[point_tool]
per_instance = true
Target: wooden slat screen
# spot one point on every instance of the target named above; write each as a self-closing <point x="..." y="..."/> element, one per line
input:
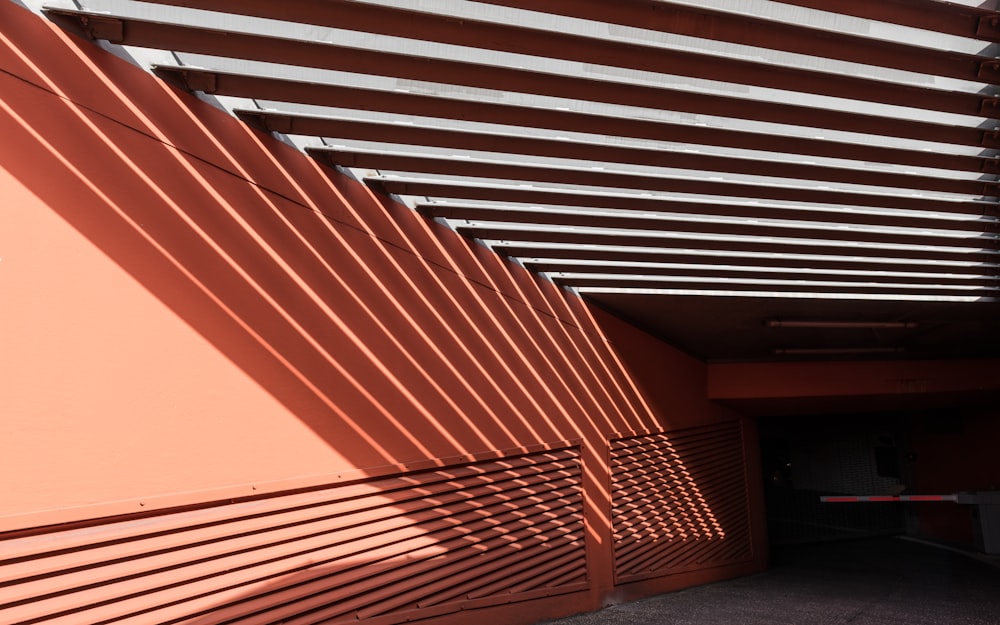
<point x="388" y="550"/>
<point x="679" y="501"/>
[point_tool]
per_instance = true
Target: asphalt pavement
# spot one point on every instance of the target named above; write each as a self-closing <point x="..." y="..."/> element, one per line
<point x="886" y="581"/>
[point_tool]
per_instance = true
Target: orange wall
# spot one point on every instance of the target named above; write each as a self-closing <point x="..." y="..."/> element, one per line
<point x="193" y="311"/>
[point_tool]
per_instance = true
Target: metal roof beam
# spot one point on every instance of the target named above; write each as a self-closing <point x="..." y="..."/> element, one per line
<point x="414" y="24"/>
<point x="736" y="274"/>
<point x="834" y="219"/>
<point x="790" y="287"/>
<point x="584" y="176"/>
<point x="824" y="247"/>
<point x="600" y="255"/>
<point x="534" y="217"/>
<point x="745" y="29"/>
<point x="941" y="17"/>
<point x="597" y="151"/>
<point x="328" y="56"/>
<point x="260" y="87"/>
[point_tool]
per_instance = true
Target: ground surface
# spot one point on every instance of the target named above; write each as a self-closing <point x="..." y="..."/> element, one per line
<point x="873" y="582"/>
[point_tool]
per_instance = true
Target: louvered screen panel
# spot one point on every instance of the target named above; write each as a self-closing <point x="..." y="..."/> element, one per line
<point x="388" y="550"/>
<point x="679" y="501"/>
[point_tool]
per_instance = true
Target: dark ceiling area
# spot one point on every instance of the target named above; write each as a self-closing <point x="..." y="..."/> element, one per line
<point x="735" y="329"/>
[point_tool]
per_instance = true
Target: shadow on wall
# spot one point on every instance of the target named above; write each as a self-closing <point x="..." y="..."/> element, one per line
<point x="397" y="342"/>
<point x="370" y="324"/>
<point x="415" y="546"/>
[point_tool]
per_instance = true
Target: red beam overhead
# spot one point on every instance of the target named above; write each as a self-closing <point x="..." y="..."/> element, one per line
<point x="941" y="17"/>
<point x="749" y="30"/>
<point x="833" y="219"/>
<point x="264" y="88"/>
<point x="552" y="267"/>
<point x="591" y="177"/>
<point x="578" y="199"/>
<point x="742" y="259"/>
<point x="852" y="287"/>
<point x="413" y="24"/>
<point x="410" y="134"/>
<point x="829" y="228"/>
<point x="533" y="217"/>
<point x="828" y="248"/>
<point x="363" y="61"/>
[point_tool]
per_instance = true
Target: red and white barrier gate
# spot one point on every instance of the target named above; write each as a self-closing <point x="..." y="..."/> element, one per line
<point x="862" y="498"/>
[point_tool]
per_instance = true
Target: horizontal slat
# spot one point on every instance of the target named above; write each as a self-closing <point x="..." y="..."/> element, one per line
<point x="581" y="176"/>
<point x="296" y="510"/>
<point x="48" y="543"/>
<point x="943" y="17"/>
<point x="324" y="589"/>
<point x="144" y="33"/>
<point x="674" y="210"/>
<point x="744" y="259"/>
<point x="858" y="287"/>
<point x="569" y="46"/>
<point x="376" y="547"/>
<point x="679" y="501"/>
<point x="555" y="267"/>
<point x="831" y="247"/>
<point x="409" y="134"/>
<point x="242" y="85"/>
<point x="747" y="29"/>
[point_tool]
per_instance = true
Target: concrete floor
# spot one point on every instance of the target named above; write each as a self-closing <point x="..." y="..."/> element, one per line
<point x="871" y="582"/>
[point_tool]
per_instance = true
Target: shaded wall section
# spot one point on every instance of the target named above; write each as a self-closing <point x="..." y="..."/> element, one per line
<point x="953" y="451"/>
<point x="200" y="324"/>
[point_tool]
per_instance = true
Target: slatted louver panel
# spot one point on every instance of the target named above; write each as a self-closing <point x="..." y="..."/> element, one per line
<point x="388" y="550"/>
<point x="679" y="501"/>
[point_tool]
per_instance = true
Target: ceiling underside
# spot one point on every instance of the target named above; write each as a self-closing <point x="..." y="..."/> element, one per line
<point x="699" y="167"/>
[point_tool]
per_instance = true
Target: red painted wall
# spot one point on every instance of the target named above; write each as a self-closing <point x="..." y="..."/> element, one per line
<point x="194" y="312"/>
<point x="953" y="451"/>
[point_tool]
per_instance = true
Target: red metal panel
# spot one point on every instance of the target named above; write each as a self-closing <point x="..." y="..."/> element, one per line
<point x="679" y="501"/>
<point x="396" y="548"/>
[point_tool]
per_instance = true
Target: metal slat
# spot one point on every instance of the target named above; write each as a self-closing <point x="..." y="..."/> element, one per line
<point x="790" y="274"/>
<point x="84" y="547"/>
<point x="529" y="172"/>
<point x="519" y="504"/>
<point x="858" y="288"/>
<point x="464" y="31"/>
<point x="528" y="251"/>
<point x="746" y="29"/>
<point x="825" y="225"/>
<point x="650" y="517"/>
<point x="832" y="247"/>
<point x="223" y="43"/>
<point x="941" y="17"/>
<point x="427" y="136"/>
<point x="264" y="88"/>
